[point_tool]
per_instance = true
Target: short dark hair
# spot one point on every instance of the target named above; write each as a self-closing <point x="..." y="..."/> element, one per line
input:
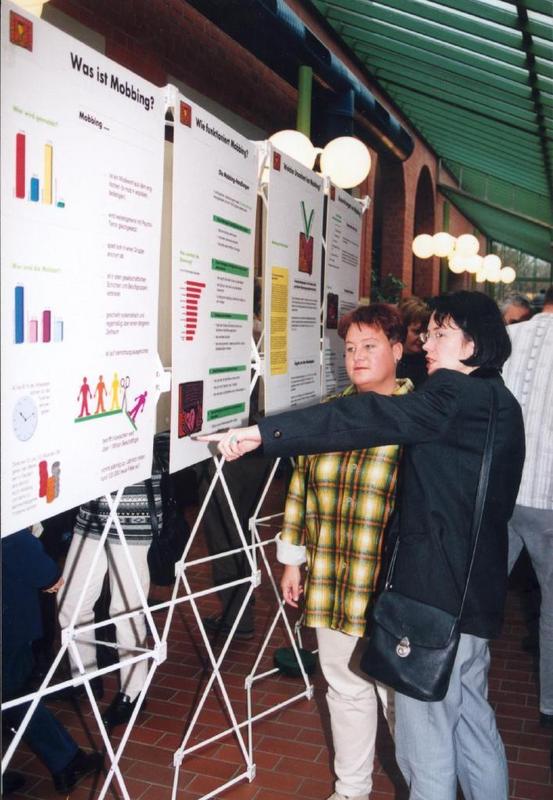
<point x="548" y="299"/>
<point x="481" y="322"/>
<point x="377" y="315"/>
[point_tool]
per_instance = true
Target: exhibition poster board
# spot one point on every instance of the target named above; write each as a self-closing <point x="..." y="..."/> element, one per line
<point x="292" y="284"/>
<point x="344" y="218"/>
<point x="82" y="155"/>
<point x="213" y="233"/>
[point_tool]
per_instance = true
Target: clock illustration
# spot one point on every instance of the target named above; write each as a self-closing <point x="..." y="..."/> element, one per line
<point x="25" y="418"/>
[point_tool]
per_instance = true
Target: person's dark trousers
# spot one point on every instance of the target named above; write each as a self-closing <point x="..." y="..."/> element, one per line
<point x="245" y="479"/>
<point x="46" y="737"/>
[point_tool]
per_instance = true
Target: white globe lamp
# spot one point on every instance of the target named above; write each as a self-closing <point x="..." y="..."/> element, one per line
<point x="444" y="244"/>
<point x="467" y="244"/>
<point x="346" y="161"/>
<point x="423" y="245"/>
<point x="296" y="145"/>
<point x="457" y="264"/>
<point x="507" y="275"/>
<point x="473" y="264"/>
<point x="492" y="267"/>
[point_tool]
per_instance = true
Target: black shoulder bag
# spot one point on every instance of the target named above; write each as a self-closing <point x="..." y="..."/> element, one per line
<point x="412" y="646"/>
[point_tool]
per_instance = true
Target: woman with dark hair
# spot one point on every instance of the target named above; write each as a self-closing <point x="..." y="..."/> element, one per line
<point x="337" y="508"/>
<point x="443" y="428"/>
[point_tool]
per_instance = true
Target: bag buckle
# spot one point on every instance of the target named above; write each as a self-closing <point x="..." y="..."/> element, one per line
<point x="404" y="647"/>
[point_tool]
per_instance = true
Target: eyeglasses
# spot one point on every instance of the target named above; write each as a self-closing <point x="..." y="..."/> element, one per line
<point x="437" y="335"/>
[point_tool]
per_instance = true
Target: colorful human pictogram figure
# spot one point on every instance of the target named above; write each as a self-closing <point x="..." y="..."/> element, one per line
<point x="125" y="383"/>
<point x="115" y="386"/>
<point x="84" y="394"/>
<point x="140" y="403"/>
<point x="99" y="392"/>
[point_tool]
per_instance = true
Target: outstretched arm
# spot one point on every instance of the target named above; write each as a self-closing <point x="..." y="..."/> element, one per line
<point x="235" y="442"/>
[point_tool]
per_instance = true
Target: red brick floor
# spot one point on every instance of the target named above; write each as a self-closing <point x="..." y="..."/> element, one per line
<point x="291" y="746"/>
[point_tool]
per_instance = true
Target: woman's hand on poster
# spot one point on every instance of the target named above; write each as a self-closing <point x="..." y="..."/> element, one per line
<point x="291" y="585"/>
<point x="235" y="442"/>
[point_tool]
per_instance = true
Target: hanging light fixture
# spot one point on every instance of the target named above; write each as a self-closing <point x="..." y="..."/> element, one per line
<point x="507" y="275"/>
<point x="444" y="244"/>
<point x="467" y="245"/>
<point x="457" y="263"/>
<point x="473" y="264"/>
<point x="346" y="161"/>
<point x="296" y="145"/>
<point x="492" y="266"/>
<point x="423" y="245"/>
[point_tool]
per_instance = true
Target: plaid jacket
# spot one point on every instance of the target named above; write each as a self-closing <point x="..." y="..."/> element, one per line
<point x="338" y="505"/>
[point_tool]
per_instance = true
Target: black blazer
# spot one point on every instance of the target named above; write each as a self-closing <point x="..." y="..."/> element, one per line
<point x="443" y="427"/>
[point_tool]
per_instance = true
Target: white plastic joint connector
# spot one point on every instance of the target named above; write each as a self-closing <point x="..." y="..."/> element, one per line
<point x="160" y="652"/>
<point x="67" y="635"/>
<point x="257" y="578"/>
<point x="309" y="692"/>
<point x="251" y="772"/>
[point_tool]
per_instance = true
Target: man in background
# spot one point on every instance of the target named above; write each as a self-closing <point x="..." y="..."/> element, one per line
<point x="529" y="375"/>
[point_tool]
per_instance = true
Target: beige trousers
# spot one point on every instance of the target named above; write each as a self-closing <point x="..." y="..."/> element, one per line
<point x="124" y="598"/>
<point x="352" y="701"/>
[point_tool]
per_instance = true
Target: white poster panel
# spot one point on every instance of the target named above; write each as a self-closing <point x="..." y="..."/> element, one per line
<point x="82" y="155"/>
<point x="292" y="285"/>
<point x="344" y="218"/>
<point x="214" y="205"/>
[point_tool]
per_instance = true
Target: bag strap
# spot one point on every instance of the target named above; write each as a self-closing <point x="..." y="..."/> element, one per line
<point x="152" y="506"/>
<point x="481" y="490"/>
<point x="478" y="513"/>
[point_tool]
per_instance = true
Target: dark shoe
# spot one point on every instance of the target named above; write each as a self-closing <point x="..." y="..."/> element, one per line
<point x="81" y="765"/>
<point x="218" y="625"/>
<point x="119" y="710"/>
<point x="11" y="782"/>
<point x="75" y="692"/>
<point x="546" y="720"/>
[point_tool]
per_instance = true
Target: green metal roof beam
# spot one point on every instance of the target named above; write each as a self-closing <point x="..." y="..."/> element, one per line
<point x="496" y="206"/>
<point x="533" y="79"/>
<point x="495" y="109"/>
<point x="383" y="64"/>
<point x="479" y="39"/>
<point x="497" y="14"/>
<point x="510" y="72"/>
<point x="457" y="68"/>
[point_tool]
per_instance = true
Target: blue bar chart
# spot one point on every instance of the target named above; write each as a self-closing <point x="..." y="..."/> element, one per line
<point x="31" y="326"/>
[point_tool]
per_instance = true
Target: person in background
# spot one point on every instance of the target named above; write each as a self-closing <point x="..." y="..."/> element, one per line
<point x="515" y="308"/>
<point x="337" y="508"/>
<point x="443" y="427"/>
<point x="27" y="570"/>
<point x="415" y="315"/>
<point x="529" y="375"/>
<point x="133" y="512"/>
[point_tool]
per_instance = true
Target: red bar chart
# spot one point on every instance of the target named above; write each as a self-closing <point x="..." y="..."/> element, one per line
<point x="40" y="186"/>
<point x="191" y="294"/>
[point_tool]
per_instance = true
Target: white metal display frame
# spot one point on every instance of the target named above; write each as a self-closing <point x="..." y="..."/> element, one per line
<point x="158" y="653"/>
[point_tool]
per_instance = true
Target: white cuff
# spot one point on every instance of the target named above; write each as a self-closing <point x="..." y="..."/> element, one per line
<point x="292" y="554"/>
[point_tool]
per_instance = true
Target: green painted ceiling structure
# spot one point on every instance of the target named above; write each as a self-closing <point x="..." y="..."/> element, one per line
<point x="475" y="79"/>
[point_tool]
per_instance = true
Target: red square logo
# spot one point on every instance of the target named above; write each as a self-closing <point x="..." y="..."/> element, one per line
<point x="276" y="161"/>
<point x="333" y="193"/>
<point x="21" y="31"/>
<point x="186" y="114"/>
